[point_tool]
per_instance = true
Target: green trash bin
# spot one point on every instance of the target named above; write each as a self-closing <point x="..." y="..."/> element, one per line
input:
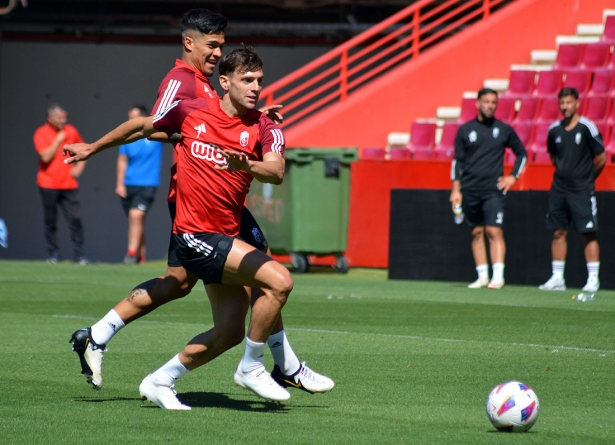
<point x="308" y="213"/>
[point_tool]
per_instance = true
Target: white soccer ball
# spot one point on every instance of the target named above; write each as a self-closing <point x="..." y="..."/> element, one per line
<point x="512" y="407"/>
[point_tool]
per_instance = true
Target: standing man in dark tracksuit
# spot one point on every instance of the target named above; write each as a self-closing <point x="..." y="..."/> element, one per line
<point x="480" y="186"/>
<point x="577" y="152"/>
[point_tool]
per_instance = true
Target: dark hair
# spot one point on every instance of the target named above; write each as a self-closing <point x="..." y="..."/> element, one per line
<point x="484" y="91"/>
<point x="203" y="21"/>
<point x="568" y="92"/>
<point x="53" y="107"/>
<point x="245" y="59"/>
<point x="142" y="110"/>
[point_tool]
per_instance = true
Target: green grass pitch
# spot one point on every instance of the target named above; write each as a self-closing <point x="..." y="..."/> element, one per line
<point x="413" y="363"/>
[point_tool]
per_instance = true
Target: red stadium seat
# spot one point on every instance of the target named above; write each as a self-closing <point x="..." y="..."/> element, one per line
<point x="423" y="153"/>
<point x="446" y="148"/>
<point x="506" y="109"/>
<point x="549" y="110"/>
<point x="596" y="55"/>
<point x="541" y="131"/>
<point x="548" y="83"/>
<point x="521" y="83"/>
<point x="422" y="136"/>
<point x="468" y="110"/>
<point x="525" y="131"/>
<point x="399" y="153"/>
<point x="373" y="153"/>
<point x="569" y="55"/>
<point x="579" y="79"/>
<point x="609" y="29"/>
<point x="603" y="82"/>
<point x="542" y="157"/>
<point x="597" y="108"/>
<point x="610" y="120"/>
<point x="528" y="110"/>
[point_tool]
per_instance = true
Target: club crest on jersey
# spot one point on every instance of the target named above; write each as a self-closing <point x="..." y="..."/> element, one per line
<point x="209" y="152"/>
<point x="244" y="138"/>
<point x="558" y="140"/>
<point x="472" y="136"/>
<point x="495" y="132"/>
<point x="577" y="138"/>
<point x="200" y="129"/>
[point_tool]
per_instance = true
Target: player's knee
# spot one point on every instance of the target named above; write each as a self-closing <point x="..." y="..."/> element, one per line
<point x="282" y="285"/>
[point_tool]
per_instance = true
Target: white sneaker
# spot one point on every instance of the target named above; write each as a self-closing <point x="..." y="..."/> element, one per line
<point x="305" y="379"/>
<point x="163" y="396"/>
<point x="553" y="284"/>
<point x="90" y="356"/>
<point x="260" y="383"/>
<point x="592" y="285"/>
<point x="481" y="282"/>
<point x="495" y="284"/>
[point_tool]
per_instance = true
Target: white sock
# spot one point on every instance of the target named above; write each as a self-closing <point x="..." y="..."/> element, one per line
<point x="483" y="271"/>
<point x="498" y="271"/>
<point x="252" y="356"/>
<point x="107" y="327"/>
<point x="283" y="354"/>
<point x="169" y="372"/>
<point x="593" y="269"/>
<point x="558" y="268"/>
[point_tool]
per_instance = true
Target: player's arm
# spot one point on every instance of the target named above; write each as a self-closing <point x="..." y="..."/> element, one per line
<point x="599" y="163"/>
<point x="552" y="148"/>
<point x="122" y="164"/>
<point x="506" y="182"/>
<point x="132" y="129"/>
<point x="456" y="169"/>
<point x="48" y="153"/>
<point x="270" y="170"/>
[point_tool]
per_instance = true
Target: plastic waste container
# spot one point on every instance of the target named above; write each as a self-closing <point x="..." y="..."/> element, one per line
<point x="308" y="213"/>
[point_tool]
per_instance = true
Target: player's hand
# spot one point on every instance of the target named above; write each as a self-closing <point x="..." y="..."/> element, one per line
<point x="77" y="152"/>
<point x="506" y="182"/>
<point x="120" y="190"/>
<point x="235" y="161"/>
<point x="455" y="198"/>
<point x="271" y="111"/>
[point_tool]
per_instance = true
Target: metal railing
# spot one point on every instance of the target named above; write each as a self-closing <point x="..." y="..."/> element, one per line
<point x="401" y="38"/>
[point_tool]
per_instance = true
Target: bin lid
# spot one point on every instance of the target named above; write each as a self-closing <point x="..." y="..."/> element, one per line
<point x="346" y="155"/>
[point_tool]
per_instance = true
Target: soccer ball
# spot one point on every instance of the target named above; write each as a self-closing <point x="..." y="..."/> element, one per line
<point x="512" y="407"/>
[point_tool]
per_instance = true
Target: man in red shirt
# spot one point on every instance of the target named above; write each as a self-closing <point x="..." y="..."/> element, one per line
<point x="58" y="182"/>
<point x="209" y="208"/>
<point x="203" y="39"/>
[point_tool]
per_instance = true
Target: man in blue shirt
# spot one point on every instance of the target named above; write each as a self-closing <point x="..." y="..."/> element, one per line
<point x="138" y="178"/>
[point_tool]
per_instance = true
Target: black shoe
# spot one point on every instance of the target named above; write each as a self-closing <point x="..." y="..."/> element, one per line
<point x="53" y="258"/>
<point x="90" y="355"/>
<point x="131" y="259"/>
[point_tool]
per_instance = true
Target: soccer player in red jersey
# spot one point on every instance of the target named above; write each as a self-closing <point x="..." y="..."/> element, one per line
<point x="222" y="149"/>
<point x="203" y="40"/>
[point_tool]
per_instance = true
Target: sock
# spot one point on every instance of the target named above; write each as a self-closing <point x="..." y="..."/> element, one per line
<point x="107" y="327"/>
<point x="483" y="271"/>
<point x="169" y="372"/>
<point x="593" y="269"/>
<point x="558" y="268"/>
<point x="283" y="354"/>
<point x="252" y="356"/>
<point x="498" y="271"/>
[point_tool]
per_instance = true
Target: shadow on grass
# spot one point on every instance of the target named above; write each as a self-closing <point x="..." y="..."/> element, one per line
<point x="208" y="400"/>
<point x="222" y="400"/>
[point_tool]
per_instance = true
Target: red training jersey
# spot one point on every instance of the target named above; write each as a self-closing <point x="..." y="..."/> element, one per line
<point x="55" y="174"/>
<point x="210" y="200"/>
<point x="181" y="83"/>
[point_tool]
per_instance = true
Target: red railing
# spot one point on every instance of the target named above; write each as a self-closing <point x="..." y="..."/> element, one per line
<point x="402" y="37"/>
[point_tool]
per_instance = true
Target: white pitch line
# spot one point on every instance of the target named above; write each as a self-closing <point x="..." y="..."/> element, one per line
<point x="406" y="337"/>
